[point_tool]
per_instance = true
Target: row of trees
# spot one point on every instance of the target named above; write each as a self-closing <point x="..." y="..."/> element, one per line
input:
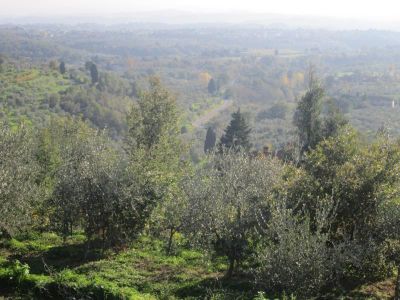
<point x="327" y="217"/>
<point x="84" y="179"/>
<point x="329" y="220"/>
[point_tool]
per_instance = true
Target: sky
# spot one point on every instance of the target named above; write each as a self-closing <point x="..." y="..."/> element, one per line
<point x="384" y="10"/>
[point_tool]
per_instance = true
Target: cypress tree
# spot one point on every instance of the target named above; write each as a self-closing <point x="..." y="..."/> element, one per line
<point x="94" y="73"/>
<point x="62" y="68"/>
<point x="210" y="141"/>
<point x="2" y="61"/>
<point x="212" y="86"/>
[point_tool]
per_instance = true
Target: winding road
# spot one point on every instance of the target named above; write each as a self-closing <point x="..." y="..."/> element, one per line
<point x="204" y="119"/>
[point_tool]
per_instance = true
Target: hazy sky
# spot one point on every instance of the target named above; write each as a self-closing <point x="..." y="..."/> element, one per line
<point x="363" y="9"/>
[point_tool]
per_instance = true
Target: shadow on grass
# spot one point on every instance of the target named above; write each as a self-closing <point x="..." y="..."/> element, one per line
<point x="59" y="257"/>
<point x="231" y="288"/>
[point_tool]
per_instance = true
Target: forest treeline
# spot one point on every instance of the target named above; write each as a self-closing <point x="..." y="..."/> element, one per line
<point x="321" y="216"/>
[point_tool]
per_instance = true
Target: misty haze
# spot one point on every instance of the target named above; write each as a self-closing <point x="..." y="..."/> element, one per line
<point x="199" y="149"/>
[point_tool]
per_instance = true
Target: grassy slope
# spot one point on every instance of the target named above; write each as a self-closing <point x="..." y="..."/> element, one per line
<point x="23" y="92"/>
<point x="141" y="272"/>
<point x="34" y="83"/>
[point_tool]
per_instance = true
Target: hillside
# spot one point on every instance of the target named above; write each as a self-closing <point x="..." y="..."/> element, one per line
<point x="257" y="68"/>
<point x="153" y="161"/>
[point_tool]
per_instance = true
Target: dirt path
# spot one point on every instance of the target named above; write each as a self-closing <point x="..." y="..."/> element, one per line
<point x="202" y="120"/>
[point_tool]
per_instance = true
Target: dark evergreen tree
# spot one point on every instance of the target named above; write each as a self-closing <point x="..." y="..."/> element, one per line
<point x="237" y="134"/>
<point x="2" y="60"/>
<point x="212" y="86"/>
<point x="94" y="73"/>
<point x="62" y="68"/>
<point x="210" y="141"/>
<point x="88" y="64"/>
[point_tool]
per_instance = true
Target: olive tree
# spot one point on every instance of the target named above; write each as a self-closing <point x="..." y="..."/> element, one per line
<point x="96" y="188"/>
<point x="225" y="199"/>
<point x="388" y="233"/>
<point x="18" y="169"/>
<point x="68" y="143"/>
<point x="168" y="218"/>
<point x="111" y="192"/>
<point x="293" y="256"/>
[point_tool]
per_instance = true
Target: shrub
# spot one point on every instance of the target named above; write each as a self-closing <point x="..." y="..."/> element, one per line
<point x="293" y="257"/>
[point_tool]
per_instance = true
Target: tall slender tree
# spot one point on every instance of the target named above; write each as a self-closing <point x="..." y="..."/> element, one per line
<point x="210" y="141"/>
<point x="94" y="73"/>
<point x="2" y="61"/>
<point x="212" y="86"/>
<point x="62" y="68"/>
<point x="307" y="117"/>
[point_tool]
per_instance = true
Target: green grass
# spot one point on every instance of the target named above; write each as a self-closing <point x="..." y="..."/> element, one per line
<point x="143" y="271"/>
<point x="38" y="266"/>
<point x="37" y="243"/>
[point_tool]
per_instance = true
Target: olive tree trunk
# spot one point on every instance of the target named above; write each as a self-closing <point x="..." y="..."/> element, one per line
<point x="397" y="288"/>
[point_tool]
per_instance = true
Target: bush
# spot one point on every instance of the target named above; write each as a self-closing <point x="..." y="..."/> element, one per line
<point x="225" y="199"/>
<point x="293" y="258"/>
<point x="364" y="261"/>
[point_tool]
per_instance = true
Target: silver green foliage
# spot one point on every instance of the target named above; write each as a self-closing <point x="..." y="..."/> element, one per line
<point x="227" y="196"/>
<point x="18" y="189"/>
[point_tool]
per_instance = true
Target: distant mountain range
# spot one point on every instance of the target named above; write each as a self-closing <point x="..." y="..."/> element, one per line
<point x="182" y="17"/>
